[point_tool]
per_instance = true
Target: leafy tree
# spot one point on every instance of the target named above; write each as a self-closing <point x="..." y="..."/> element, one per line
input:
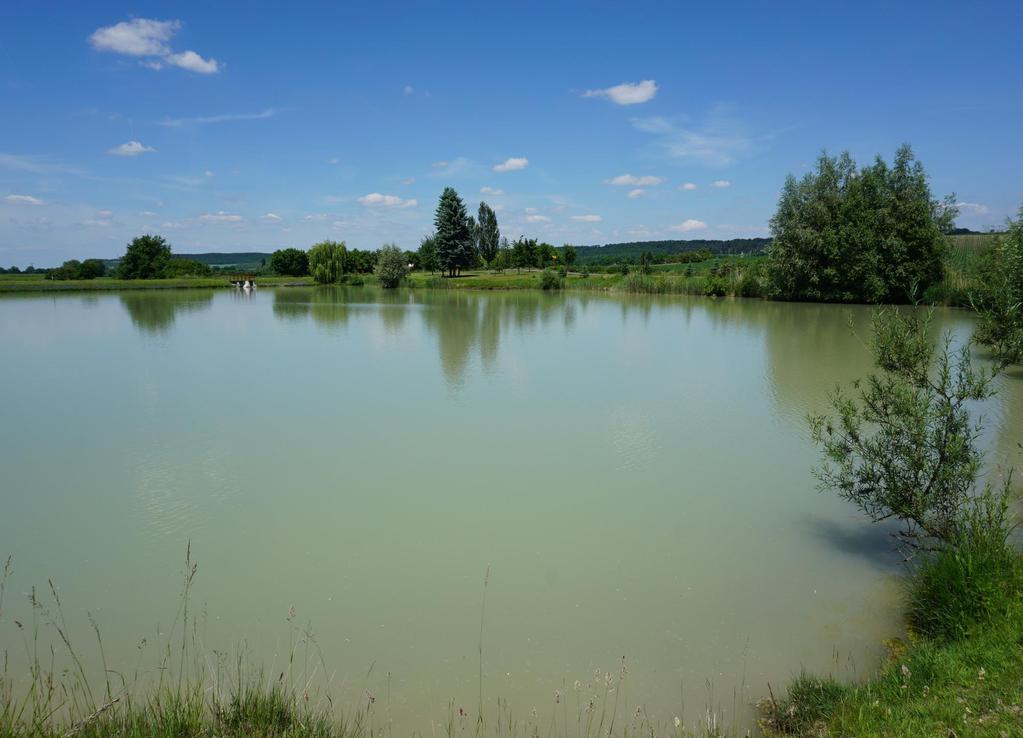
<point x="426" y="255"/>
<point x="545" y="255"/>
<point x="392" y="266"/>
<point x="454" y="239"/>
<point x="569" y="255"/>
<point x="360" y="262"/>
<point x="290" y="262"/>
<point x="646" y="260"/>
<point x="904" y="446"/>
<point x="869" y="235"/>
<point x="71" y="269"/>
<point x="999" y="301"/>
<point x="145" y="258"/>
<point x="178" y="267"/>
<point x="93" y="269"/>
<point x="327" y="261"/>
<point x="488" y="235"/>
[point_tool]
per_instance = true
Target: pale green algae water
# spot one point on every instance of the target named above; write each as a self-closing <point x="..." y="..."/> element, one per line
<point x="634" y="471"/>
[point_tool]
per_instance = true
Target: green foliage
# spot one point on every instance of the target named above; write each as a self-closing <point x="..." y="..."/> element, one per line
<point x="868" y="235"/>
<point x="180" y="267"/>
<point x="569" y="255"/>
<point x="327" y="261"/>
<point x="646" y="260"/>
<point x="487" y="234"/>
<point x="145" y="258"/>
<point x="426" y="255"/>
<point x="71" y="269"/>
<point x="810" y="703"/>
<point x="999" y="299"/>
<point x="905" y="446"/>
<point x="290" y="262"/>
<point x="392" y="266"/>
<point x="971" y="582"/>
<point x="454" y="234"/>
<point x="525" y="253"/>
<point x="550" y="280"/>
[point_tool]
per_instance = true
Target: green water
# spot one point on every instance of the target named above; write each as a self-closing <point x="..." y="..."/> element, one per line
<point x="635" y="472"/>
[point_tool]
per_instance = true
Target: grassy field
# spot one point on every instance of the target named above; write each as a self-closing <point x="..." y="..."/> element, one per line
<point x="725" y="275"/>
<point x="38" y="283"/>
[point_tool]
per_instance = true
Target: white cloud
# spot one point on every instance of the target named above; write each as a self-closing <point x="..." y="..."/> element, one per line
<point x="209" y="173"/>
<point x="408" y="181"/>
<point x="23" y="200"/>
<point x="409" y="90"/>
<point x="491" y="191"/>
<point x="271" y="218"/>
<point x="136" y="37"/>
<point x="513" y="164"/>
<point x="688" y="186"/>
<point x="316" y="216"/>
<point x="375" y="199"/>
<point x="498" y="208"/>
<point x="638" y="192"/>
<point x="587" y="218"/>
<point x="689" y="225"/>
<point x="334" y="160"/>
<point x="721" y="183"/>
<point x="973" y="208"/>
<point x="96" y="223"/>
<point x="104" y="213"/>
<point x="150" y="38"/>
<point x="193" y="62"/>
<point x="132" y="148"/>
<point x="439" y="165"/>
<point x="537" y="219"/>
<point x="222" y="118"/>
<point x="627" y="93"/>
<point x="220" y="217"/>
<point x="147" y="214"/>
<point x="632" y="180"/>
<point x="530" y="210"/>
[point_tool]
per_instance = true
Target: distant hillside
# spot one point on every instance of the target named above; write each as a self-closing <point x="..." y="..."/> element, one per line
<point x="613" y="253"/>
<point x="242" y="261"/>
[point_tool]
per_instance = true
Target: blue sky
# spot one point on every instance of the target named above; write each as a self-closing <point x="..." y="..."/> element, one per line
<point x="230" y="126"/>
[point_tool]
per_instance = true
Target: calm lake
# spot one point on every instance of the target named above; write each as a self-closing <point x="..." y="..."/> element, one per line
<point x="635" y="472"/>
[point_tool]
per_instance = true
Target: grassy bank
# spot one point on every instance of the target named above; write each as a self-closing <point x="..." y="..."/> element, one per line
<point x="38" y="283"/>
<point x="966" y="687"/>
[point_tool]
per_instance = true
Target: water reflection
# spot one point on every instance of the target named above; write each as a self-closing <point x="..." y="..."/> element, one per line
<point x="153" y="312"/>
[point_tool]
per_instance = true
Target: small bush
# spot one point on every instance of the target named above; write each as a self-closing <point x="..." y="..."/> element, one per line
<point x="811" y="701"/>
<point x="585" y="271"/>
<point x="715" y="286"/>
<point x="550" y="280"/>
<point x="970" y="581"/>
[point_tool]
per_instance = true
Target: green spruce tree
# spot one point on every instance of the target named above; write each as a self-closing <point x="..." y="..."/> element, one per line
<point x="454" y="234"/>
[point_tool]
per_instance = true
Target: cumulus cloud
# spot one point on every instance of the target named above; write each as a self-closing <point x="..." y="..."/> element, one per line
<point x="136" y="37"/>
<point x="973" y="208"/>
<point x="375" y="199"/>
<point x="409" y="90"/>
<point x="627" y="93"/>
<point x="537" y="219"/>
<point x="220" y="217"/>
<point x="689" y="225"/>
<point x="23" y="200"/>
<point x="587" y="218"/>
<point x="688" y="186"/>
<point x="633" y="181"/>
<point x="271" y="218"/>
<point x="193" y="62"/>
<point x="491" y="191"/>
<point x="132" y="148"/>
<point x="148" y="38"/>
<point x="638" y="192"/>
<point x="721" y="183"/>
<point x="513" y="164"/>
